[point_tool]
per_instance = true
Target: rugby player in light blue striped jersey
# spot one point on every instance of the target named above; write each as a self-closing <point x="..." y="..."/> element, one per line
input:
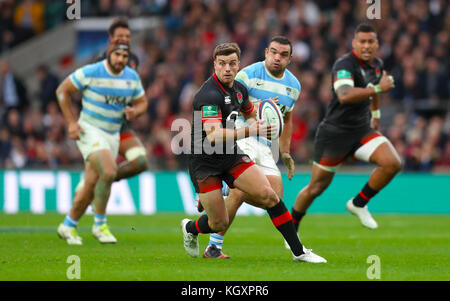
<point x="107" y="88"/>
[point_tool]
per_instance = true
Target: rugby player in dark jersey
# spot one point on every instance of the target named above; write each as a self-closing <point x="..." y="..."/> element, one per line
<point x="350" y="128"/>
<point x="215" y="156"/>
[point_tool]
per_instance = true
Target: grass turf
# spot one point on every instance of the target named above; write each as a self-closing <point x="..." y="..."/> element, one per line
<point x="410" y="247"/>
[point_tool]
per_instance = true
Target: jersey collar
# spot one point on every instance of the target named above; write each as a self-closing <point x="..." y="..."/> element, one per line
<point x="109" y="72"/>
<point x="220" y="85"/>
<point x="270" y="74"/>
<point x="361" y="62"/>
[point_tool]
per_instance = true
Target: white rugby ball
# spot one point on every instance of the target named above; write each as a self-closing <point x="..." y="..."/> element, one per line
<point x="270" y="113"/>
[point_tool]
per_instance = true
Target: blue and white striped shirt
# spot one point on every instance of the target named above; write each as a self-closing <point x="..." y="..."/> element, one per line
<point x="262" y="85"/>
<point x="106" y="95"/>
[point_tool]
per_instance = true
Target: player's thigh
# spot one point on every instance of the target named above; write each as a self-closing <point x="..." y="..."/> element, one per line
<point x="254" y="183"/>
<point x="214" y="205"/>
<point x="331" y="147"/>
<point x="128" y="142"/>
<point x="277" y="184"/>
<point x="376" y="148"/>
<point x="235" y="199"/>
<point x="386" y="155"/>
<point x="320" y="178"/>
<point x="103" y="161"/>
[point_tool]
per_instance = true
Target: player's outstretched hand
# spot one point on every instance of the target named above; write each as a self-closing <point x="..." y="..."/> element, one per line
<point x="289" y="163"/>
<point x="260" y="128"/>
<point x="74" y="130"/>
<point x="386" y="82"/>
<point x="130" y="113"/>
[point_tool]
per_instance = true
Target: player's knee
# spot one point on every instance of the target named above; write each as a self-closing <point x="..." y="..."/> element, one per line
<point x="109" y="174"/>
<point x="268" y="196"/>
<point x="394" y="166"/>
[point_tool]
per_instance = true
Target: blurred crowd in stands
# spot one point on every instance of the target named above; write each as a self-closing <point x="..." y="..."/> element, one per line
<point x="176" y="58"/>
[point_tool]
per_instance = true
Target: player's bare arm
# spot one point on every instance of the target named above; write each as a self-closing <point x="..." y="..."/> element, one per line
<point x="63" y="92"/>
<point x="348" y="94"/>
<point x="285" y="145"/>
<point x="375" y="111"/>
<point x="215" y="132"/>
<point x="139" y="107"/>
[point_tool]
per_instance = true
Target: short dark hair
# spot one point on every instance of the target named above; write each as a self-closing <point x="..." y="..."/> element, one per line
<point x="282" y="40"/>
<point x="117" y="23"/>
<point x="364" y="27"/>
<point x="227" y="49"/>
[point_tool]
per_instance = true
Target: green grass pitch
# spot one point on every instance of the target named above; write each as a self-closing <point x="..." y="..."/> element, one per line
<point x="410" y="247"/>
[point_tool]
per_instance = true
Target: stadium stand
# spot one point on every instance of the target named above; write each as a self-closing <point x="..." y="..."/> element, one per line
<point x="175" y="60"/>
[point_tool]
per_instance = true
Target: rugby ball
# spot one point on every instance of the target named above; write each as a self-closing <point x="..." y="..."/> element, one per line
<point x="270" y="113"/>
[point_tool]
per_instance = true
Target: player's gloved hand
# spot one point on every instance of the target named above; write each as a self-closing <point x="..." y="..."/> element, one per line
<point x="130" y="113"/>
<point x="386" y="82"/>
<point x="260" y="128"/>
<point x="289" y="163"/>
<point x="74" y="130"/>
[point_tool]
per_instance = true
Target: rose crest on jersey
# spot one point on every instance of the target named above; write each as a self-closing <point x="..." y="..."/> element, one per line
<point x="239" y="97"/>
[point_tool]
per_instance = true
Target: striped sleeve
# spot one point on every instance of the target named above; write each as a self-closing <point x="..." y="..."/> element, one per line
<point x="79" y="79"/>
<point x="242" y="77"/>
<point x="139" y="91"/>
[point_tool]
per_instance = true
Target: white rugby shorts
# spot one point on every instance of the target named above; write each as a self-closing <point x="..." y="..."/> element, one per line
<point x="261" y="154"/>
<point x="94" y="139"/>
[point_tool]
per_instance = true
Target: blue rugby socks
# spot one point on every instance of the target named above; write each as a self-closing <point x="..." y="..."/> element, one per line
<point x="70" y="222"/>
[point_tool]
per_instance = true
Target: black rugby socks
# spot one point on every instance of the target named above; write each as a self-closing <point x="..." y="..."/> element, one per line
<point x="200" y="225"/>
<point x="297" y="217"/>
<point x="282" y="220"/>
<point x="364" y="196"/>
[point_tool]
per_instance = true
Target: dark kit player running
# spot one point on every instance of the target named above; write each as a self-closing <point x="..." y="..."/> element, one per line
<point x="350" y="128"/>
<point x="216" y="157"/>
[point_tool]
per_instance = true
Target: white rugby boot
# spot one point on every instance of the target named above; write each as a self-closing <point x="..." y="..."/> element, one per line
<point x="190" y="240"/>
<point x="103" y="234"/>
<point x="69" y="234"/>
<point x="309" y="256"/>
<point x="363" y="214"/>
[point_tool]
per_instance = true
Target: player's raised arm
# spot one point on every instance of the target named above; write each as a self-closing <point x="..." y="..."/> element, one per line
<point x="347" y="93"/>
<point x="63" y="92"/>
